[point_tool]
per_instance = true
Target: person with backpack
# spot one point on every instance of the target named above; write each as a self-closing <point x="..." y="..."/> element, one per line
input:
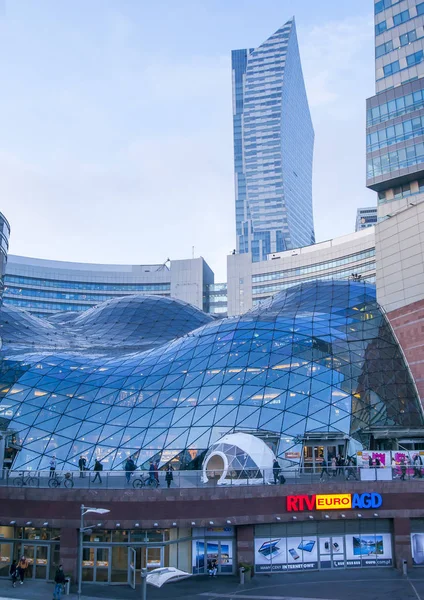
<point x="60" y="581"/>
<point x="98" y="467"/>
<point x="13" y="572"/>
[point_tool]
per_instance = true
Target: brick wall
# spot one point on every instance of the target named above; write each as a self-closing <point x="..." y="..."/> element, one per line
<point x="408" y="324"/>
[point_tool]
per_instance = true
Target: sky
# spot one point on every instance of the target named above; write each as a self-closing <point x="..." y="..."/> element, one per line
<point x="116" y="122"/>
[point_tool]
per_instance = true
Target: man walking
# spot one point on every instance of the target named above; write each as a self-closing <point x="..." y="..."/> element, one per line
<point x="60" y="581"/>
<point x="98" y="467"/>
<point x="324" y="465"/>
<point x="129" y="468"/>
<point x="276" y="470"/>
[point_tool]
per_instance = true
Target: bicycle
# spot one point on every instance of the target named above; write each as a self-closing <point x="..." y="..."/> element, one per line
<point x="26" y="479"/>
<point x="56" y="481"/>
<point x="148" y="482"/>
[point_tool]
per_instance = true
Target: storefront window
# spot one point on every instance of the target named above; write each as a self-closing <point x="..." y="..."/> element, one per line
<point x="120" y="536"/>
<point x="320" y="545"/>
<point x="119" y="571"/>
<point x="5" y="559"/>
<point x="7" y="533"/>
<point x="36" y="533"/>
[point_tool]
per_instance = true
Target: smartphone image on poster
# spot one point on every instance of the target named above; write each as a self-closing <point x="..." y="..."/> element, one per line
<point x="270" y="549"/>
<point x="336" y="546"/>
<point x="293" y="553"/>
<point x="306" y="545"/>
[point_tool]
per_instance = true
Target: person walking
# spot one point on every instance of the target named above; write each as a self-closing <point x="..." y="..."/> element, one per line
<point x="156" y="472"/>
<point x="370" y="463"/>
<point x="60" y="581"/>
<point x="98" y="467"/>
<point x="151" y="473"/>
<point x="394" y="475"/>
<point x="129" y="468"/>
<point x="334" y="466"/>
<point x="402" y="469"/>
<point x="22" y="567"/>
<point x="276" y="470"/>
<point x="52" y="467"/>
<point x="169" y="476"/>
<point x="82" y="463"/>
<point x="324" y="469"/>
<point x="13" y="572"/>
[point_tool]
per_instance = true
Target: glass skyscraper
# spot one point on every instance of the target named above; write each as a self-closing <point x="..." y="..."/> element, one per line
<point x="395" y="115"/>
<point x="273" y="147"/>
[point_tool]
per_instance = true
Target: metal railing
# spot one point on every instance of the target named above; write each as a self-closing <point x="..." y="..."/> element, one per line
<point x="196" y="479"/>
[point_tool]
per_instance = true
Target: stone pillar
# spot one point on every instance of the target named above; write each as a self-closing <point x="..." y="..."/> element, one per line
<point x="402" y="541"/>
<point x="245" y="545"/>
<point x="69" y="551"/>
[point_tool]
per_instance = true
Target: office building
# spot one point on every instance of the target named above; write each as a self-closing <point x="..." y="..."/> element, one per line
<point x="44" y="287"/>
<point x="4" y="249"/>
<point x="350" y="256"/>
<point x="395" y="115"/>
<point x="273" y="147"/>
<point x="366" y="217"/>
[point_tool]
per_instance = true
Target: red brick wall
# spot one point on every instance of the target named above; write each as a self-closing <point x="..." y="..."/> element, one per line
<point x="408" y="324"/>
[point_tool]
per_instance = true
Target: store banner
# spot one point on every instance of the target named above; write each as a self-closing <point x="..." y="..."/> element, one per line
<point x="369" y="550"/>
<point x="286" y="554"/>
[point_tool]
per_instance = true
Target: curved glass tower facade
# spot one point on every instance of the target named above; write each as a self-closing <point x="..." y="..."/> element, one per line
<point x="273" y="147"/>
<point x="155" y="378"/>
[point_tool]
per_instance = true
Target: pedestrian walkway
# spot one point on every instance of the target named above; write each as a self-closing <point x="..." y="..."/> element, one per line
<point x="367" y="584"/>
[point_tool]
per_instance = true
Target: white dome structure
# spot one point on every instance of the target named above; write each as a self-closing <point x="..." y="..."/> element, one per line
<point x="237" y="458"/>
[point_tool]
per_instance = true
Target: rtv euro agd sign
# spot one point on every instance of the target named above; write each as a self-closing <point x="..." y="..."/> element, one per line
<point x="333" y="501"/>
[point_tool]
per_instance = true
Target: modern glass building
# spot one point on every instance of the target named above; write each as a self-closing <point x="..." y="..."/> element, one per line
<point x="273" y="147"/>
<point x="155" y="378"/>
<point x="4" y="248"/>
<point x="395" y="115"/>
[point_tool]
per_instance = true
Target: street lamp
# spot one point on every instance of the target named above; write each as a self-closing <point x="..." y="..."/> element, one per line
<point x="84" y="511"/>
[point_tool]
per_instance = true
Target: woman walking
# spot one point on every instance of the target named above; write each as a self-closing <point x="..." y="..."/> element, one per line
<point x="169" y="476"/>
<point x="22" y="567"/>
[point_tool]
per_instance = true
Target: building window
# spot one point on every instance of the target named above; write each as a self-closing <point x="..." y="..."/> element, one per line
<point x="391" y="68"/>
<point x="380" y="27"/>
<point x="407" y="38"/>
<point x="414" y="59"/>
<point x="402" y="191"/>
<point x="401" y="17"/>
<point x="420" y="9"/>
<point x="384" y="49"/>
<point x="382" y="5"/>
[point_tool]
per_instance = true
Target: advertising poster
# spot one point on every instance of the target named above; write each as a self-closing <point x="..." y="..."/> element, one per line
<point x="286" y="554"/>
<point x="417" y="545"/>
<point x="368" y="550"/>
<point x="331" y="551"/>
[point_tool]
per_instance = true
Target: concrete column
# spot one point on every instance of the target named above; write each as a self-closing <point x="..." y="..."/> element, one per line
<point x="402" y="541"/>
<point x="245" y="552"/>
<point x="69" y="551"/>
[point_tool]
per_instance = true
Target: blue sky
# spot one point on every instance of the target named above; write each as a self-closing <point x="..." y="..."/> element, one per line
<point x="116" y="122"/>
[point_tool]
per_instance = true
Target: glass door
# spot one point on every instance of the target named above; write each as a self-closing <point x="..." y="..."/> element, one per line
<point x="38" y="557"/>
<point x="102" y="565"/>
<point x="132" y="558"/>
<point x="6" y="555"/>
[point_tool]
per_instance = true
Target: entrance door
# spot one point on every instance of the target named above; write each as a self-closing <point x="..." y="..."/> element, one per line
<point x="154" y="558"/>
<point x="313" y="457"/>
<point x="220" y="551"/>
<point x="332" y="552"/>
<point x="38" y="560"/>
<point x="132" y="557"/>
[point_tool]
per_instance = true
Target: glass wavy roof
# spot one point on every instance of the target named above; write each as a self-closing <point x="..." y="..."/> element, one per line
<point x="156" y="378"/>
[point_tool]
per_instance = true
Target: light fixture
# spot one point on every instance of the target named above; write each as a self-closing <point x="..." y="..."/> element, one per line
<point x="343" y="516"/>
<point x="28" y="523"/>
<point x="155" y="525"/>
<point x="137" y="525"/>
<point x="294" y="518"/>
<point x="210" y="522"/>
<point x="311" y="517"/>
<point x="193" y="523"/>
<point x="375" y="514"/>
<point x="117" y="524"/>
<point x="45" y="524"/>
<point x="174" y="524"/>
<point x="278" y="518"/>
<point x="359" y="515"/>
<point x="13" y="522"/>
<point x="228" y="521"/>
<point x="327" y="516"/>
<point x="99" y="524"/>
